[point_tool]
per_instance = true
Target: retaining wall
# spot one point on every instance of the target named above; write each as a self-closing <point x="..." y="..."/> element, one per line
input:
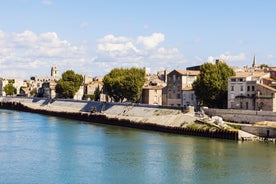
<point x="102" y="118"/>
<point x="242" y="116"/>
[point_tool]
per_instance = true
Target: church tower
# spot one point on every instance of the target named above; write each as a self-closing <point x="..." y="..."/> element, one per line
<point x="254" y="64"/>
<point x="54" y="71"/>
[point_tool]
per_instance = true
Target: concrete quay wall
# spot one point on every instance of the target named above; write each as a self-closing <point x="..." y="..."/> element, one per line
<point x="246" y="120"/>
<point x="128" y="115"/>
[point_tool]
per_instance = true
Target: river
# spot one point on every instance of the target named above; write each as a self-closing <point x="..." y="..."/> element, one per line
<point x="36" y="148"/>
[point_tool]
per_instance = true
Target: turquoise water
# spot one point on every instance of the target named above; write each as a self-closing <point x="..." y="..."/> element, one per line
<point x="43" y="149"/>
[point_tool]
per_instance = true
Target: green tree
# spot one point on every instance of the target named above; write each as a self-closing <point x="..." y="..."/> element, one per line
<point x="10" y="89"/>
<point x="122" y="84"/>
<point x="262" y="66"/>
<point x="97" y="93"/>
<point x="69" y="84"/>
<point x="211" y="85"/>
<point x="33" y="92"/>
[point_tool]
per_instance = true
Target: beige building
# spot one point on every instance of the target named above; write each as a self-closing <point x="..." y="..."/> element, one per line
<point x="253" y="90"/>
<point x="152" y="95"/>
<point x="179" y="90"/>
<point x="242" y="89"/>
<point x="45" y="85"/>
<point x="17" y="83"/>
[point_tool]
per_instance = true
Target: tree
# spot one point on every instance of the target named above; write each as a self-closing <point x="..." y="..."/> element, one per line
<point x="97" y="93"/>
<point x="69" y="84"/>
<point x="10" y="89"/>
<point x="211" y="85"/>
<point x="122" y="84"/>
<point x="33" y="92"/>
<point x="262" y="66"/>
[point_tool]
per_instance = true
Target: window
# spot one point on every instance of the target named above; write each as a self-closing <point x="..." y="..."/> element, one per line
<point x="174" y="78"/>
<point x="232" y="88"/>
<point x="178" y="95"/>
<point x="248" y="88"/>
<point x="253" y="88"/>
<point x="184" y="96"/>
<point x="192" y="96"/>
<point x="241" y="88"/>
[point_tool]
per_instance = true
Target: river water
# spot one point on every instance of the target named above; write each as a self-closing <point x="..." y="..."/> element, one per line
<point x="43" y="149"/>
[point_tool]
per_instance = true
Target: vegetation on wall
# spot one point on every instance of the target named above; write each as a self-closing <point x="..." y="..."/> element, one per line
<point x="211" y="85"/>
<point x="69" y="84"/>
<point x="124" y="83"/>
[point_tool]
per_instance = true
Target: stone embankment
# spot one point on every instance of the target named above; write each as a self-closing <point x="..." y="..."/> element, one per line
<point x="259" y="123"/>
<point x="128" y="115"/>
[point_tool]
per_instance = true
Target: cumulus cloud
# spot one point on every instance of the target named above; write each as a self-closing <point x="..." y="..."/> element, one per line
<point x="28" y="53"/>
<point x="228" y="57"/>
<point x="28" y="50"/>
<point x="116" y="46"/>
<point x="150" y="42"/>
<point x="142" y="52"/>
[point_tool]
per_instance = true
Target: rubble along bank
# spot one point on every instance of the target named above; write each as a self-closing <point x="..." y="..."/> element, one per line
<point x="164" y="120"/>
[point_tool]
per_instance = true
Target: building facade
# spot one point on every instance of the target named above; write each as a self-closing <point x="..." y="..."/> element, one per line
<point x="179" y="90"/>
<point x="253" y="90"/>
<point x="152" y="95"/>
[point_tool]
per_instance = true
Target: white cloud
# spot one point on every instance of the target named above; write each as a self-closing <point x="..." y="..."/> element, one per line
<point x="116" y="46"/>
<point x="124" y="52"/>
<point x="150" y="42"/>
<point x="210" y="59"/>
<point x="228" y="57"/>
<point x="29" y="51"/>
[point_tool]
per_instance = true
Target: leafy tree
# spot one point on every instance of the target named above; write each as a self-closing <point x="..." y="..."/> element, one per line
<point x="262" y="66"/>
<point x="10" y="89"/>
<point x="211" y="85"/>
<point x="122" y="84"/>
<point x="69" y="84"/>
<point x="33" y="92"/>
<point x="97" y="93"/>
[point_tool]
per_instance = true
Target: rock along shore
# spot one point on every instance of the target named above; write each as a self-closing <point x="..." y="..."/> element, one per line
<point x="128" y="115"/>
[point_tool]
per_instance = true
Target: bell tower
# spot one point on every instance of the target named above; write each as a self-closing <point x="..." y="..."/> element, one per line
<point x="54" y="71"/>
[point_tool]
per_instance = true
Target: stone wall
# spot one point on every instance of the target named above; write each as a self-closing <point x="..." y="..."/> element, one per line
<point x="242" y="116"/>
<point x="260" y="131"/>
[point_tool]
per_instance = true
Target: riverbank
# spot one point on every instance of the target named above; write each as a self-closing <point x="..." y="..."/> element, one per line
<point x="128" y="115"/>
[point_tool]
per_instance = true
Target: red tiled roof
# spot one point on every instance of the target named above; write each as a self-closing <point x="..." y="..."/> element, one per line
<point x="268" y="87"/>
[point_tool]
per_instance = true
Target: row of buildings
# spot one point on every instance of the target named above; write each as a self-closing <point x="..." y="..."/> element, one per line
<point x="251" y="89"/>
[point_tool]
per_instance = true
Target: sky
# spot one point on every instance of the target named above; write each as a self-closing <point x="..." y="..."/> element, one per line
<point x="94" y="36"/>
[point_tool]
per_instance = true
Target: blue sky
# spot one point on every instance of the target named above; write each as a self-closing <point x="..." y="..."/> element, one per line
<point x="92" y="37"/>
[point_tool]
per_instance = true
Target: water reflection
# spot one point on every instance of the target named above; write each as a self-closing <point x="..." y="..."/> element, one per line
<point x="44" y="149"/>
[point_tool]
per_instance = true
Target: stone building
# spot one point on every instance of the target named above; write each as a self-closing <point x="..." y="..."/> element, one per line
<point x="17" y="83"/>
<point x="253" y="90"/>
<point x="179" y="90"/>
<point x="152" y="95"/>
<point x="45" y="85"/>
